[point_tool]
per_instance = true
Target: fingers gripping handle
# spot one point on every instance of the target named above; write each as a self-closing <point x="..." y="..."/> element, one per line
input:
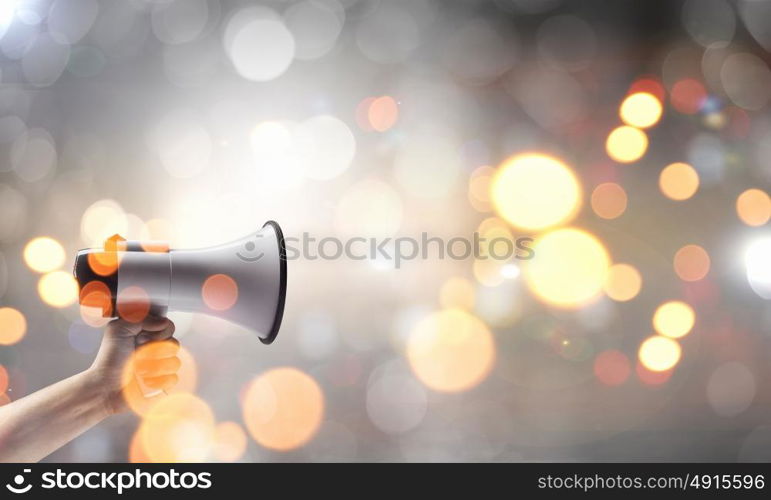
<point x="147" y="391"/>
<point x="139" y="341"/>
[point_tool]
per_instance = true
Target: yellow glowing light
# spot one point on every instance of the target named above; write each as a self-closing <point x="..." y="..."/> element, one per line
<point x="569" y="269"/>
<point x="496" y="242"/>
<point x="157" y="229"/>
<point x="623" y="282"/>
<point x="534" y="191"/>
<point x="674" y="319"/>
<point x="178" y="428"/>
<point x="691" y="263"/>
<point x="626" y="144"/>
<point x="58" y="289"/>
<point x="44" y="254"/>
<point x="659" y="354"/>
<point x="753" y="207"/>
<point x="102" y="220"/>
<point x="457" y="292"/>
<point x="230" y="442"/>
<point x="479" y="188"/>
<point x="489" y="272"/>
<point x="136" y="453"/>
<point x="679" y="181"/>
<point x="104" y="263"/>
<point x="270" y="139"/>
<point x="283" y="408"/>
<point x="609" y="200"/>
<point x="451" y="350"/>
<point x="13" y="326"/>
<point x="641" y="110"/>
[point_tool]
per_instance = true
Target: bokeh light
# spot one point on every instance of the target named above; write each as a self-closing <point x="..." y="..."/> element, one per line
<point x="479" y="188"/>
<point x="428" y="164"/>
<point x="458" y="293"/>
<point x="101" y="220"/>
<point x="390" y="36"/>
<point x="739" y="69"/>
<point x="43" y="254"/>
<point x="230" y="442"/>
<point x="570" y="270"/>
<point x="623" y="282"/>
<point x="652" y="378"/>
<point x="279" y="153"/>
<point x="3" y="379"/>
<point x="753" y="207"/>
<point x="612" y="367"/>
<point x="133" y="304"/>
<point x="396" y="402"/>
<point x="283" y="408"/>
<point x="13" y="325"/>
<point x="731" y="389"/>
<point x="691" y="263"/>
<point x="688" y="96"/>
<point x="58" y="289"/>
<point x="758" y="266"/>
<point x="261" y="48"/>
<point x="535" y="191"/>
<point x="451" y="350"/>
<point x="329" y="146"/>
<point x="95" y="304"/>
<point x="674" y="319"/>
<point x="136" y="452"/>
<point x="678" y="181"/>
<point x="495" y="236"/>
<point x="178" y="428"/>
<point x="489" y="272"/>
<point x="648" y="85"/>
<point x="315" y="26"/>
<point x="383" y="113"/>
<point x="659" y="354"/>
<point x="626" y="144"/>
<point x="104" y="263"/>
<point x="641" y="110"/>
<point x="609" y="200"/>
<point x="219" y="292"/>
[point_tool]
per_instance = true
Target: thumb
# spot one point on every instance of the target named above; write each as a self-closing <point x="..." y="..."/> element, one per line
<point x="122" y="329"/>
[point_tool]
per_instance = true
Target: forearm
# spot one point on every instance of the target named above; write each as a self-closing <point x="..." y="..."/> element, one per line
<point x="34" y="426"/>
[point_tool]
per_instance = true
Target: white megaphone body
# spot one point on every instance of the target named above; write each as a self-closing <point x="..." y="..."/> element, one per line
<point x="243" y="281"/>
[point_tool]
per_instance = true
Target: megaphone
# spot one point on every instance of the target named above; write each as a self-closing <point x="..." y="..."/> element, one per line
<point x="243" y="281"/>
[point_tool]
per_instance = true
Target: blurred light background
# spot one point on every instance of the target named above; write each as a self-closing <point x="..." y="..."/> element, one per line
<point x="630" y="139"/>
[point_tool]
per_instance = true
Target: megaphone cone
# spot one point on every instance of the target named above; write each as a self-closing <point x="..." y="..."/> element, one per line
<point x="243" y="281"/>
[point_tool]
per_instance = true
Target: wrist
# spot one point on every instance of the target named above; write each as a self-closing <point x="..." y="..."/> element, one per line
<point x="95" y="389"/>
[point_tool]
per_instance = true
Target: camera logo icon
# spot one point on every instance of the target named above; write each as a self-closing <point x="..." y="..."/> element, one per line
<point x="247" y="254"/>
<point x="18" y="481"/>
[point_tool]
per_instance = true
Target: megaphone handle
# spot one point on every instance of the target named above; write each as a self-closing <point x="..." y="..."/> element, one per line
<point x="147" y="391"/>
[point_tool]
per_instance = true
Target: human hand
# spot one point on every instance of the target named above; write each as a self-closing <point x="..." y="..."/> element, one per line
<point x="133" y="352"/>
